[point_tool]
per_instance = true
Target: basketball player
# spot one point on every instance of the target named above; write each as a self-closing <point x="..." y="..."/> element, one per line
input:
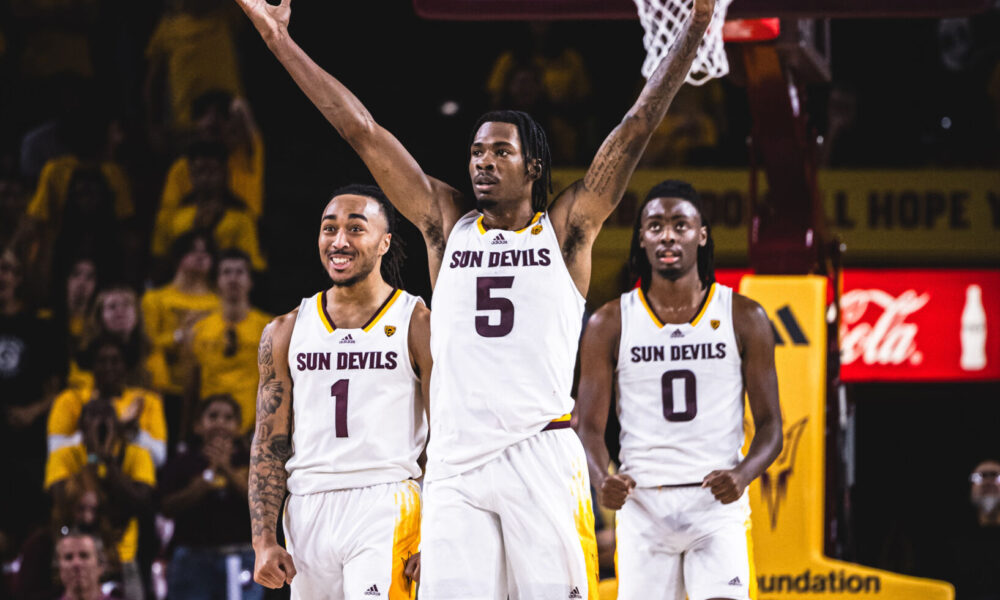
<point x="340" y="418"/>
<point x="506" y="494"/>
<point x="683" y="350"/>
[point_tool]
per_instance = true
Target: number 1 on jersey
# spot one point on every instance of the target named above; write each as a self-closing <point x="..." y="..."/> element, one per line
<point x="339" y="393"/>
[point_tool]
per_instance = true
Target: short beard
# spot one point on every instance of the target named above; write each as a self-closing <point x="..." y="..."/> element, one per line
<point x="486" y="204"/>
<point x="356" y="278"/>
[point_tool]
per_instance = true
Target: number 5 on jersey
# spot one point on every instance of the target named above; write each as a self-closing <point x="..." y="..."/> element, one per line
<point x="486" y="301"/>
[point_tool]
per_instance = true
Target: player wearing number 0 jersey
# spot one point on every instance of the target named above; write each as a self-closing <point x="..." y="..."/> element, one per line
<point x="506" y="500"/>
<point x="341" y="419"/>
<point x="682" y="349"/>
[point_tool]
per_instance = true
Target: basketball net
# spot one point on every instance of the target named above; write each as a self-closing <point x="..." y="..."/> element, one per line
<point x="664" y="20"/>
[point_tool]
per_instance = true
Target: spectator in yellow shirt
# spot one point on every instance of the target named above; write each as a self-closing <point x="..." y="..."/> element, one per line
<point x="192" y="51"/>
<point x="210" y="206"/>
<point x="126" y="475"/>
<point x="170" y="312"/>
<point x="225" y="342"/>
<point x="139" y="411"/>
<point x="219" y="117"/>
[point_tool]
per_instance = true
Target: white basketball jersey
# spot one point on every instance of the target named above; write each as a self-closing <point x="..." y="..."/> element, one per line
<point x="680" y="392"/>
<point x="357" y="415"/>
<point x="505" y="326"/>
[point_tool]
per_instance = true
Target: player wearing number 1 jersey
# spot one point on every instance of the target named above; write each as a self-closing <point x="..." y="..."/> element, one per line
<point x="506" y="500"/>
<point x="341" y="418"/>
<point x="682" y="349"/>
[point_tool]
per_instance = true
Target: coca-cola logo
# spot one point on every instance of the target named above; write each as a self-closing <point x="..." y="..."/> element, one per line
<point x="885" y="338"/>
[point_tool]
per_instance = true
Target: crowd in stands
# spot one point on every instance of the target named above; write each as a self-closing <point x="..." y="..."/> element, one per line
<point x="132" y="193"/>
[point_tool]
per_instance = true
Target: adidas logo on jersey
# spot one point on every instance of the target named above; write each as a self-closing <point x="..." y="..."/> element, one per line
<point x="677" y="334"/>
<point x="372" y="591"/>
<point x="575" y="593"/>
<point x="735" y="581"/>
<point x="347" y="339"/>
<point x="499" y="239"/>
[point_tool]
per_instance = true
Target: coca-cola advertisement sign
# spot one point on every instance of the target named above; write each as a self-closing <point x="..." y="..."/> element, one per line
<point x="920" y="325"/>
<point x="916" y="324"/>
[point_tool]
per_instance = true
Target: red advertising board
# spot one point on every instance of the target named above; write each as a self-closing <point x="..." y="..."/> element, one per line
<point x="916" y="324"/>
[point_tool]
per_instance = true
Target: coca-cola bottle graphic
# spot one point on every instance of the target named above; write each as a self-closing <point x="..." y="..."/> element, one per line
<point x="973" y="330"/>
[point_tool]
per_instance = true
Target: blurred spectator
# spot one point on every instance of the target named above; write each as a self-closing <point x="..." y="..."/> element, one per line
<point x="225" y="342"/>
<point x="140" y="411"/>
<point x="691" y="130"/>
<point x="204" y="491"/>
<point x="116" y="312"/>
<point x="192" y="51"/>
<point x="81" y="508"/>
<point x="219" y="117"/>
<point x="32" y="361"/>
<point x="81" y="564"/>
<point x="91" y="194"/>
<point x="972" y="555"/>
<point x="210" y="206"/>
<point x="170" y="312"/>
<point x="126" y="476"/>
<point x="565" y="85"/>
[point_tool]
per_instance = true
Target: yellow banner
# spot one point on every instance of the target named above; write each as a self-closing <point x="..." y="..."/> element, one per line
<point x="787" y="502"/>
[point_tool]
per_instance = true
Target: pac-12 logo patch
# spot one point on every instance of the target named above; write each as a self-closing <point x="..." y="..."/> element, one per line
<point x="715" y="323"/>
<point x="536" y="229"/>
<point x="389" y="330"/>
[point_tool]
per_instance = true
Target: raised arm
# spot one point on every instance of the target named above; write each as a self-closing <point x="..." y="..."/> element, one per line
<point x="598" y="357"/>
<point x="431" y="205"/>
<point x="579" y="212"/>
<point x="270" y="450"/>
<point x="756" y="342"/>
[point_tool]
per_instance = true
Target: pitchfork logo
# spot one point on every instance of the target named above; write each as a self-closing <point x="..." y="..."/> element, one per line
<point x="774" y="481"/>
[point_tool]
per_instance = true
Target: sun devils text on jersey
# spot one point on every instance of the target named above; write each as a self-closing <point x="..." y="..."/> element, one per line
<point x="505" y="328"/>
<point x="358" y="420"/>
<point x="680" y="392"/>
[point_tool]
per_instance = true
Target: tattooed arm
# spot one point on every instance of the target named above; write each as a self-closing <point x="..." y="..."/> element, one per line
<point x="578" y="213"/>
<point x="271" y="448"/>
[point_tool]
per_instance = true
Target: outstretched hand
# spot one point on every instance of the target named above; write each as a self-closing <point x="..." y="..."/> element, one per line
<point x="271" y="20"/>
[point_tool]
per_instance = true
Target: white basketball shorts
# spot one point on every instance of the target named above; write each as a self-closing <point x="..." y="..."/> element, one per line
<point x="677" y="541"/>
<point x="520" y="526"/>
<point x="353" y="544"/>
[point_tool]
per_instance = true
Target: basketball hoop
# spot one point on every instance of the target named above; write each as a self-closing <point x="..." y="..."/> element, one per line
<point x="663" y="21"/>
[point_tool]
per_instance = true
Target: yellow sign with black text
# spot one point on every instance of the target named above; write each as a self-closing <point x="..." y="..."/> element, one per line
<point x="948" y="217"/>
<point x="787" y="502"/>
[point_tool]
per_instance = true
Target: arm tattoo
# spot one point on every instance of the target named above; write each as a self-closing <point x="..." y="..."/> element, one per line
<point x="270" y="449"/>
<point x="609" y="158"/>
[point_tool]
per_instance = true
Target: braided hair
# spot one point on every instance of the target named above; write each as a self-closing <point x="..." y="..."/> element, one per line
<point x="392" y="260"/>
<point x="638" y="263"/>
<point x="534" y="145"/>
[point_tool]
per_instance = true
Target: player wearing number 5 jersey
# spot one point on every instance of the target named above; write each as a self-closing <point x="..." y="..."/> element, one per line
<point x="506" y="504"/>
<point x="683" y="349"/>
<point x="341" y="418"/>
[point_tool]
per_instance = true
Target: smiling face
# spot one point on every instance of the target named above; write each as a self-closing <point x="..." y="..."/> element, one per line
<point x="353" y="237"/>
<point x="671" y="233"/>
<point x="219" y="419"/>
<point x="497" y="167"/>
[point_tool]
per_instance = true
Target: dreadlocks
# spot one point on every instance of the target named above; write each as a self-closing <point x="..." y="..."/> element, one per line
<point x="638" y="263"/>
<point x="534" y="145"/>
<point x="392" y="260"/>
